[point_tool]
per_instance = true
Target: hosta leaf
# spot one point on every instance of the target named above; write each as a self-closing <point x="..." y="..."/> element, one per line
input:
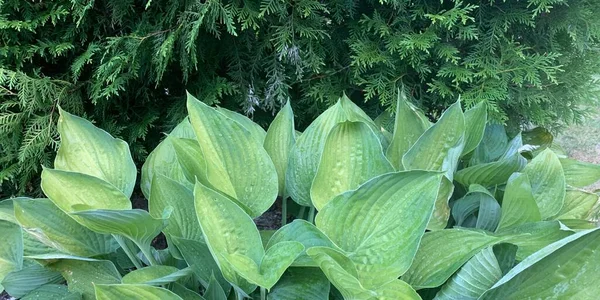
<point x="342" y="273"/>
<point x="442" y="253"/>
<point x="87" y="149"/>
<point x="531" y="237"/>
<point x="11" y="248"/>
<point x="55" y="228"/>
<point x="578" y="205"/>
<point x="475" y="120"/>
<point x="133" y="291"/>
<point x="547" y="183"/>
<point x="441" y="210"/>
<point x="305" y="233"/>
<point x="381" y="223"/>
<point x="580" y="174"/>
<point x="506" y="256"/>
<point x="168" y="193"/>
<point x="518" y="204"/>
<point x="214" y="291"/>
<point x="439" y="148"/>
<point x="279" y="142"/>
<point x="237" y="164"/>
<point x="275" y="261"/>
<point x="409" y="125"/>
<point x="82" y="275"/>
<point x="228" y="230"/>
<point x="148" y="274"/>
<point x="539" y="137"/>
<point x="199" y="258"/>
<point x="7" y="211"/>
<point x="191" y="159"/>
<point x="566" y="269"/>
<point x="20" y="283"/>
<point x="513" y="147"/>
<point x="52" y="291"/>
<point x="492" y="145"/>
<point x="493" y="173"/>
<point x="480" y="200"/>
<point x="352" y="155"/>
<point x="257" y="132"/>
<point x="163" y="160"/>
<point x="73" y="192"/>
<point x="301" y="283"/>
<point x="474" y="278"/>
<point x="184" y="292"/>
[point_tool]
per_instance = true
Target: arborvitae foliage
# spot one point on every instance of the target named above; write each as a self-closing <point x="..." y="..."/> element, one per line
<point x="126" y="64"/>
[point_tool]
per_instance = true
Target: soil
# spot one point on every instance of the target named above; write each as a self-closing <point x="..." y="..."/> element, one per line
<point x="5" y="296"/>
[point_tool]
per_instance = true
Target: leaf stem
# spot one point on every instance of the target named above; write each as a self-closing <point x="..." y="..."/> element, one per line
<point x="311" y="214"/>
<point x="148" y="254"/>
<point x="263" y="293"/>
<point x="301" y="212"/>
<point x="132" y="257"/>
<point x="283" y="210"/>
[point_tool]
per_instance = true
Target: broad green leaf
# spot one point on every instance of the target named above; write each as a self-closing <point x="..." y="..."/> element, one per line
<point x="228" y="230"/>
<point x="184" y="292"/>
<point x="506" y="256"/>
<point x="513" y="147"/>
<point x="441" y="210"/>
<point x="52" y="291"/>
<point x="439" y="148"/>
<point x="191" y="159"/>
<point x="479" y="200"/>
<point x="163" y="160"/>
<point x="214" y="291"/>
<point x="305" y="233"/>
<point x="275" y="261"/>
<point x="492" y="145"/>
<point x="83" y="275"/>
<point x="385" y="122"/>
<point x="156" y="275"/>
<point x="87" y="149"/>
<point x="55" y="228"/>
<point x="167" y="193"/>
<point x="279" y="142"/>
<point x="475" y="120"/>
<point x="136" y="224"/>
<point x="380" y="224"/>
<point x="7" y="211"/>
<point x="301" y="283"/>
<point x="352" y="154"/>
<point x="11" y="248"/>
<point x="20" y="283"/>
<point x="474" y="278"/>
<point x="342" y="273"/>
<point x="518" y="204"/>
<point x="547" y="183"/>
<point x="578" y="205"/>
<point x="199" y="258"/>
<point x="73" y="192"/>
<point x="531" y="237"/>
<point x="566" y="269"/>
<point x="443" y="252"/>
<point x="409" y="125"/>
<point x="580" y="174"/>
<point x="237" y="164"/>
<point x="133" y="291"/>
<point x="492" y="173"/>
<point x="257" y="132"/>
<point x="578" y="224"/>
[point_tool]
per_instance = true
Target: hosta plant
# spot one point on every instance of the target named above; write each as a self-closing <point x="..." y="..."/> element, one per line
<point x="451" y="209"/>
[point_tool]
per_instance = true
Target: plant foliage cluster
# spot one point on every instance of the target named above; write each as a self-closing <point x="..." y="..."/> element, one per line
<point x="125" y="64"/>
<point x="417" y="210"/>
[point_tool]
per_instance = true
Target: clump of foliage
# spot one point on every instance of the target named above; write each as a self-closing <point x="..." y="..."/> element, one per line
<point x="125" y="64"/>
<point x="444" y="210"/>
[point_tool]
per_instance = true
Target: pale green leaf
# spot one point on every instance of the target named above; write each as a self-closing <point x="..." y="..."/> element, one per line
<point x="133" y="292"/>
<point x="52" y="291"/>
<point x="518" y="204"/>
<point x="257" y="132"/>
<point x="301" y="283"/>
<point x="531" y="237"/>
<point x="156" y="275"/>
<point x="11" y="248"/>
<point x="82" y="275"/>
<point x="352" y="154"/>
<point x="87" y="149"/>
<point x="580" y="174"/>
<point x="279" y="142"/>
<point x="475" y="120"/>
<point x="381" y="223"/>
<point x="492" y="173"/>
<point x="72" y="191"/>
<point x="191" y="159"/>
<point x="214" y="291"/>
<point x="20" y="283"/>
<point x="579" y="204"/>
<point x="441" y="211"/>
<point x="199" y="258"/>
<point x="547" y="183"/>
<point x="237" y="164"/>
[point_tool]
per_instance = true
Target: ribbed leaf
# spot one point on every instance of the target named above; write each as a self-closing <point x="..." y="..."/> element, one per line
<point x="169" y="194"/>
<point x="567" y="269"/>
<point x="162" y="160"/>
<point x="191" y="159"/>
<point x="518" y="204"/>
<point x="52" y="291"/>
<point x="305" y="233"/>
<point x="82" y="275"/>
<point x="474" y="278"/>
<point x="531" y="237"/>
<point x="72" y="191"/>
<point x="547" y="183"/>
<point x="11" y="248"/>
<point x="55" y="228"/>
<point x="439" y="148"/>
<point x="19" y="283"/>
<point x="580" y="174"/>
<point x="479" y="200"/>
<point x="475" y="120"/>
<point x="184" y="292"/>
<point x="381" y="223"/>
<point x="133" y="292"/>
<point x="492" y="145"/>
<point x="156" y="275"/>
<point x="352" y="155"/>
<point x="578" y="205"/>
<point x="257" y="132"/>
<point x="279" y="142"/>
<point x="409" y="125"/>
<point x="214" y="291"/>
<point x="199" y="258"/>
<point x="87" y="149"/>
<point x="237" y="164"/>
<point x="301" y="283"/>
<point x="493" y="173"/>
